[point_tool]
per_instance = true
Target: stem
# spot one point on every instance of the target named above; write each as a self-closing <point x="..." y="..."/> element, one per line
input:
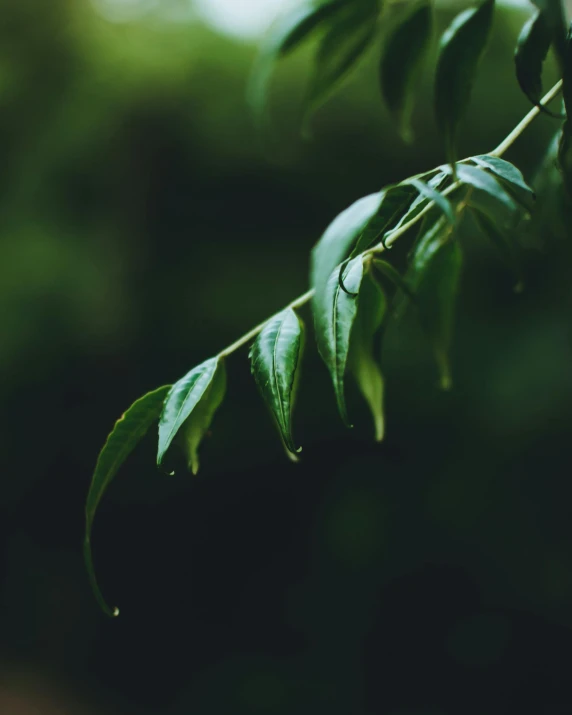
<point x="393" y="236"/>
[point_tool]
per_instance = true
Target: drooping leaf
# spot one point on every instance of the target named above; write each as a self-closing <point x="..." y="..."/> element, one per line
<point x="510" y="177"/>
<point x="404" y="55"/>
<point x="334" y="315"/>
<point x="290" y="31"/>
<point x="437" y="182"/>
<point x="128" y="431"/>
<point x="428" y="192"/>
<point x="190" y="407"/>
<point x="341" y="236"/>
<point x="349" y="34"/>
<point x="483" y="181"/>
<point x="461" y="48"/>
<point x="553" y="11"/>
<point x="531" y="49"/>
<point x="395" y="201"/>
<point x="372" y="306"/>
<point x="394" y="276"/>
<point x="275" y="357"/>
<point x="434" y="275"/>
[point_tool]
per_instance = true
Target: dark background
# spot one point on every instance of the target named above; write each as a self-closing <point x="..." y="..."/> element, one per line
<point x="144" y="225"/>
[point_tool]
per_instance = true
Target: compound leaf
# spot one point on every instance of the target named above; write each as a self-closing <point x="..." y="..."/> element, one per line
<point x="275" y="358"/>
<point x="128" y="431"/>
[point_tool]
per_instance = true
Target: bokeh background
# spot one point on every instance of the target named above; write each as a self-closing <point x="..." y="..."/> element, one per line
<point x="145" y="223"/>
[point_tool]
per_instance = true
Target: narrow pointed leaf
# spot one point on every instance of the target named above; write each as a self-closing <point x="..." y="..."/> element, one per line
<point x="483" y="181"/>
<point x="461" y="48"/>
<point x="434" y="275"/>
<point x="510" y="178"/>
<point x="437" y="182"/>
<point x="191" y="404"/>
<point x="404" y="55"/>
<point x="395" y="202"/>
<point x="349" y="35"/>
<point x="436" y="197"/>
<point x="395" y="277"/>
<point x="361" y="359"/>
<point x="334" y="315"/>
<point x="289" y="32"/>
<point x="275" y="359"/>
<point x="128" y="431"/>
<point x="531" y="49"/>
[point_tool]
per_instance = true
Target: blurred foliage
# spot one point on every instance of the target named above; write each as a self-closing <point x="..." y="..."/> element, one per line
<point x="144" y="224"/>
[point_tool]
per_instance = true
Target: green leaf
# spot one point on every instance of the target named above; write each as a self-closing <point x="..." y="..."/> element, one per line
<point x="434" y="275"/>
<point x="334" y="315"/>
<point x="428" y="192"/>
<point x="372" y="307"/>
<point x="509" y="176"/>
<point x="531" y="49"/>
<point x="404" y="55"/>
<point x="394" y="276"/>
<point x="483" y="181"/>
<point x="340" y="237"/>
<point x="436" y="182"/>
<point x="290" y="31"/>
<point x="348" y="36"/>
<point x="191" y="404"/>
<point x="461" y="48"/>
<point x="395" y="201"/>
<point x="275" y="357"/>
<point x="128" y="431"/>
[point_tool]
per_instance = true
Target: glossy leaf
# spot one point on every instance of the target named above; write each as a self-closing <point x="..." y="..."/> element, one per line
<point x="190" y="407"/>
<point x="434" y="275"/>
<point x="290" y="31"/>
<point x="348" y="36"/>
<point x="340" y="238"/>
<point x="128" y="431"/>
<point x="510" y="177"/>
<point x="334" y="315"/>
<point x="362" y="364"/>
<point x="461" y="48"/>
<point x="531" y="50"/>
<point x="437" y="182"/>
<point x="483" y="181"/>
<point x="404" y="55"/>
<point x="275" y="357"/>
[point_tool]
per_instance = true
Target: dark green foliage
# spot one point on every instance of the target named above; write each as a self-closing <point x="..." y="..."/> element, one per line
<point x="403" y="56"/>
<point x="462" y="46"/>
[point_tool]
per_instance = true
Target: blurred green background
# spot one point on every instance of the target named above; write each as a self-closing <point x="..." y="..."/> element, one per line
<point x="145" y="223"/>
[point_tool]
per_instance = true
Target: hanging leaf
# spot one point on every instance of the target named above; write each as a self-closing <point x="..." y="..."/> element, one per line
<point x="394" y="276"/>
<point x="334" y="315"/>
<point x="483" y="181"/>
<point x="405" y="52"/>
<point x="275" y="357"/>
<point x="438" y="181"/>
<point x="531" y="49"/>
<point x="190" y="407"/>
<point x="289" y="32"/>
<point x="461" y="48"/>
<point x="372" y="306"/>
<point x="434" y="275"/>
<point x="349" y="34"/>
<point x="128" y="431"/>
<point x="340" y="237"/>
